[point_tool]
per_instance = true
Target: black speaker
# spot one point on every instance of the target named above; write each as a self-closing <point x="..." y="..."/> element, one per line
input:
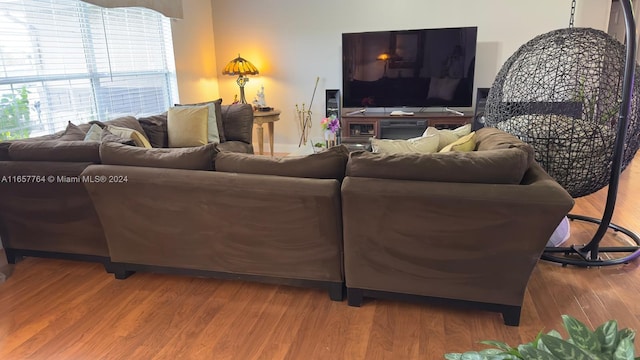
<point x="478" y="115"/>
<point x="332" y="103"/>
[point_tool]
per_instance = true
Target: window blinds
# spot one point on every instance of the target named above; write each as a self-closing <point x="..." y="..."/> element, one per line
<point x="66" y="60"/>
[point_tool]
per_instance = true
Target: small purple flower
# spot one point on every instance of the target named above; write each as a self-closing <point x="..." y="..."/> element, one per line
<point x="332" y="124"/>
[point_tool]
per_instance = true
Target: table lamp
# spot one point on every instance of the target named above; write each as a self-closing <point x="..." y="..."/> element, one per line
<point x="240" y="67"/>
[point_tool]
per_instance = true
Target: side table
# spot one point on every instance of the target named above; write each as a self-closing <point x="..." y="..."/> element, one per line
<point x="268" y="117"/>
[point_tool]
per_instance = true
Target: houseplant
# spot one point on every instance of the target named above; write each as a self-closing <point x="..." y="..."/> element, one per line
<point x="14" y="115"/>
<point x="606" y="342"/>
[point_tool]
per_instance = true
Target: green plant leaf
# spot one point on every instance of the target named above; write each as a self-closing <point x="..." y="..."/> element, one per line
<point x="555" y="334"/>
<point x="491" y="352"/>
<point x="529" y="352"/>
<point x="580" y="334"/>
<point x="564" y="350"/>
<point x="624" y="351"/>
<point x="607" y="335"/>
<point x="497" y="344"/>
<point x="472" y="355"/>
<point x="626" y="334"/>
<point x="452" y="356"/>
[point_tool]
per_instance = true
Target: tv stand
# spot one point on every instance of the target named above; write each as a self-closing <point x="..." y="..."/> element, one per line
<point x="358" y="128"/>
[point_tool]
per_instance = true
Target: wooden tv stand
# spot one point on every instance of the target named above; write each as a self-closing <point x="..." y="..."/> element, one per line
<point x="360" y="127"/>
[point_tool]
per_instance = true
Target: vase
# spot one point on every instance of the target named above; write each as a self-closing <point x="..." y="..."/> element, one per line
<point x="330" y="138"/>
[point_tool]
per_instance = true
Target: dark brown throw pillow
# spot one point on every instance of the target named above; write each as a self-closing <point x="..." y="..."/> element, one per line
<point x="156" y="129"/>
<point x="218" y="107"/>
<point x="190" y="158"/>
<point x="238" y="122"/>
<point x="72" y="133"/>
<point x="329" y="164"/>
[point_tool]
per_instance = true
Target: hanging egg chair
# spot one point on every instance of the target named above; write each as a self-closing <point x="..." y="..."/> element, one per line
<point x="570" y="94"/>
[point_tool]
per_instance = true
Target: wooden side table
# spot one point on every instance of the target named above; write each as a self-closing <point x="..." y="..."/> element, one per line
<point x="269" y="117"/>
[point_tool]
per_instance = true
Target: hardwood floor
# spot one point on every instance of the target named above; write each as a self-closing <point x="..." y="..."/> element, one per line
<point x="52" y="309"/>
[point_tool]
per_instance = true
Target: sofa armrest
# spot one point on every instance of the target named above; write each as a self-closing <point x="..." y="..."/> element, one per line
<point x="476" y="242"/>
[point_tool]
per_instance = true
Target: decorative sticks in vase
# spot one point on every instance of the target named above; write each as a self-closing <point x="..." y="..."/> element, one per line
<point x="304" y="117"/>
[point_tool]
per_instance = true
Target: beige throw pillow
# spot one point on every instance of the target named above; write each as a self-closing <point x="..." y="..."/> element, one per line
<point x="188" y="126"/>
<point x="447" y="136"/>
<point x="427" y="143"/>
<point x="465" y="143"/>
<point x="135" y="135"/>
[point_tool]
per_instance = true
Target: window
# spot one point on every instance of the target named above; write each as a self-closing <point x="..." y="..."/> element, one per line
<point x="65" y="60"/>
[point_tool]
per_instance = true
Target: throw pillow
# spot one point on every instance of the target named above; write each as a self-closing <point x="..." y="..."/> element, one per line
<point x="424" y="144"/>
<point x="447" y="136"/>
<point x="156" y="129"/>
<point x="328" y="164"/>
<point x="135" y="135"/>
<point x="94" y="133"/>
<point x="72" y="133"/>
<point x="192" y="158"/>
<point x="214" y="117"/>
<point x="128" y="122"/>
<point x="465" y="143"/>
<point x="187" y="126"/>
<point x="107" y="136"/>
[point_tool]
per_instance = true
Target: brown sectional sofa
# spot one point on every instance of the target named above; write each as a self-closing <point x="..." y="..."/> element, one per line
<point x="460" y="227"/>
<point x="57" y="218"/>
<point x="228" y="223"/>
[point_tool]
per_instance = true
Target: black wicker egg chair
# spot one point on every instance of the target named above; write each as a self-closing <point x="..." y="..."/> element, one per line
<point x="570" y="94"/>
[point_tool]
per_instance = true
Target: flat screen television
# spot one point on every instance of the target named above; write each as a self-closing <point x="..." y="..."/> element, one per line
<point x="409" y="68"/>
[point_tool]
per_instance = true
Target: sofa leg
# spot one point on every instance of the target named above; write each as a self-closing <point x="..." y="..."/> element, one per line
<point x="12" y="257"/>
<point x="354" y="297"/>
<point x="336" y="291"/>
<point x="118" y="270"/>
<point x="122" y="274"/>
<point x="511" y="315"/>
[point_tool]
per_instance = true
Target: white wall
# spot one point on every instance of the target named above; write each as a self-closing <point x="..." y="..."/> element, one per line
<point x="293" y="42"/>
<point x="193" y="45"/>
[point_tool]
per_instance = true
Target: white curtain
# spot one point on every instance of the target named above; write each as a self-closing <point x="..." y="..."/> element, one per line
<point x="169" y="8"/>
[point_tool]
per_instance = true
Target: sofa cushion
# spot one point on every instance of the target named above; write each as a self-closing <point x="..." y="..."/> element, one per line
<point x="126" y="133"/>
<point x="493" y="139"/>
<point x="187" y="126"/>
<point x="72" y="133"/>
<point x="236" y="146"/>
<point x="465" y="143"/>
<point x="55" y="150"/>
<point x="329" y="164"/>
<point x="428" y="143"/>
<point x="155" y="127"/>
<point x="502" y="166"/>
<point x="191" y="158"/>
<point x="215" y="133"/>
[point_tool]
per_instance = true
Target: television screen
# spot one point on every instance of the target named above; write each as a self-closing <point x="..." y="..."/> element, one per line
<point x="410" y="68"/>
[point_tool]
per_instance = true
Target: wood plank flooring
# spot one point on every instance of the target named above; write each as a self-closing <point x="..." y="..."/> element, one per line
<point x="53" y="309"/>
